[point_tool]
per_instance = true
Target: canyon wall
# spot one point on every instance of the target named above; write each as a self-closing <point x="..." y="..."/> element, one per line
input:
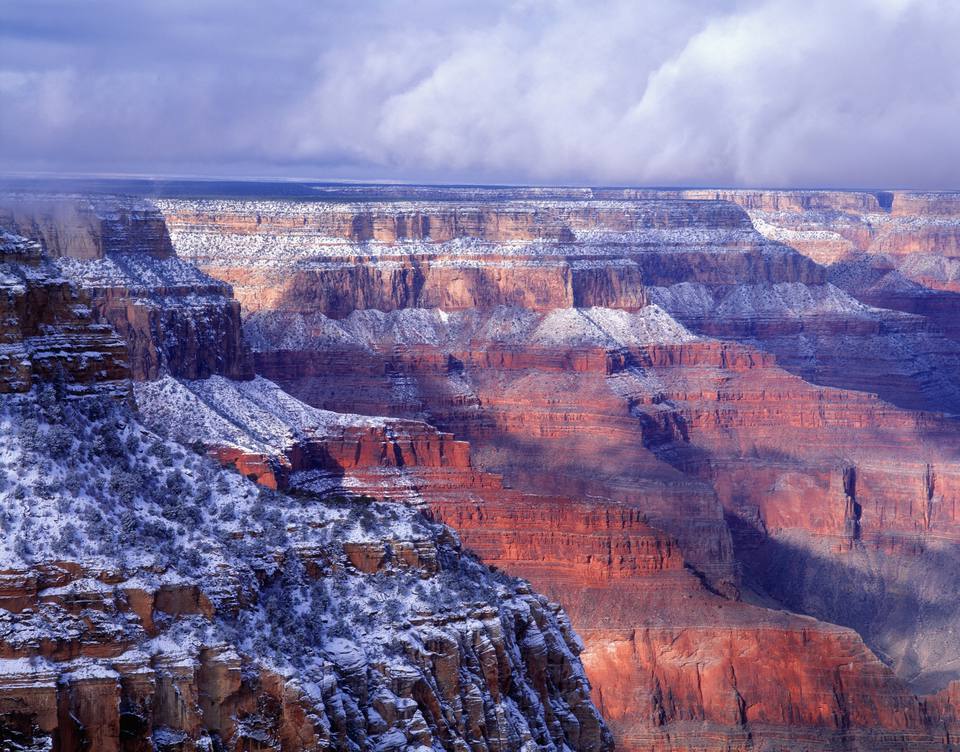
<point x="681" y="414"/>
<point x="710" y="432"/>
<point x="900" y="255"/>
<point x="334" y="258"/>
<point x="48" y="334"/>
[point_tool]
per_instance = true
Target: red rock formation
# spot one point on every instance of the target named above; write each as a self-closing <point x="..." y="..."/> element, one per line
<point x="131" y="649"/>
<point x="625" y="583"/>
<point x="899" y="254"/>
<point x="823" y="490"/>
<point x="456" y="257"/>
<point x="397" y="636"/>
<point x="831" y="502"/>
<point x="103" y="688"/>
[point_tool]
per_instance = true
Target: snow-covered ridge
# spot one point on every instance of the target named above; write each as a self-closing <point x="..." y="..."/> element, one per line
<point x="783" y="301"/>
<point x="457" y="330"/>
<point x="261" y="234"/>
<point x="11" y="243"/>
<point x="309" y="596"/>
<point x="139" y="274"/>
<point x="312" y="251"/>
<point x="252" y="415"/>
<point x="402" y="206"/>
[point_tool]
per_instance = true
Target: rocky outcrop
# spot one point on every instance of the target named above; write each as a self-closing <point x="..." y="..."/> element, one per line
<point x="283" y="443"/>
<point x="151" y="601"/>
<point x="131" y="668"/>
<point x="899" y="255"/>
<point x="86" y="227"/>
<point x="173" y="318"/>
<point x="48" y="334"/>
<point x="696" y="254"/>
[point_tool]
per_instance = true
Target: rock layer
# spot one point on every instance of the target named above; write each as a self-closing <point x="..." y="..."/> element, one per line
<point x="173" y="318"/>
<point x="649" y="385"/>
<point x="47" y="330"/>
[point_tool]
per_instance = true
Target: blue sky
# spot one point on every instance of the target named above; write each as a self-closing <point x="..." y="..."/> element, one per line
<point x="856" y="93"/>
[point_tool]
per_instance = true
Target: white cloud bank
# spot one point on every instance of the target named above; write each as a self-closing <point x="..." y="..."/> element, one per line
<point x="752" y="92"/>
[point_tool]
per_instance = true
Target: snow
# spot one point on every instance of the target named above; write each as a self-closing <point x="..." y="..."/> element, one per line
<point x="254" y="415"/>
<point x="610" y="327"/>
<point x="766" y="226"/>
<point x="89" y="483"/>
<point x="26" y="673"/>
<point x="789" y="300"/>
<point x="345" y="653"/>
<point x="141" y="274"/>
<point x="784" y="300"/>
<point x="457" y="330"/>
<point x="17" y="245"/>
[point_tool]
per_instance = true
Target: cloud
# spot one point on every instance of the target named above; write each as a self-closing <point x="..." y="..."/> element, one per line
<point x="742" y="92"/>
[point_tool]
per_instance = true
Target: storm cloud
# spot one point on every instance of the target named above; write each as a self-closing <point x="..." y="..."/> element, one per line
<point x="839" y="93"/>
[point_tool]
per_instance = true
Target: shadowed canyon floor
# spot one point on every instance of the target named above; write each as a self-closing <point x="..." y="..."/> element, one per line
<point x="718" y="427"/>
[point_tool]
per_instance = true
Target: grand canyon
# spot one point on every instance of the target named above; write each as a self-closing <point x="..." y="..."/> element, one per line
<point x="423" y="467"/>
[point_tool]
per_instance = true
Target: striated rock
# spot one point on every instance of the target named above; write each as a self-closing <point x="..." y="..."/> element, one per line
<point x="150" y="601"/>
<point x="303" y="625"/>
<point x="648" y="383"/>
<point x="619" y="576"/>
<point x="173" y="318"/>
<point x="86" y="227"/>
<point x="335" y="258"/>
<point x="47" y="329"/>
<point x="899" y="255"/>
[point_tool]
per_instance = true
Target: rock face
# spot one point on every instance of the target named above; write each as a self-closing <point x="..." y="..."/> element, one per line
<point x="674" y="426"/>
<point x="141" y="662"/>
<point x="47" y="329"/>
<point x="173" y="318"/>
<point x="333" y="259"/>
<point x="86" y="227"/>
<point x="150" y="600"/>
<point x="684" y="415"/>
<point x="900" y="255"/>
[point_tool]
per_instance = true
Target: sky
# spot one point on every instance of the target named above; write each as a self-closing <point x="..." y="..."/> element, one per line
<point x="763" y="93"/>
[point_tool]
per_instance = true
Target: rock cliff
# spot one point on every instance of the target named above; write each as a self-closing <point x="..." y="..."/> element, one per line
<point x="173" y="318"/>
<point x="48" y="334"/>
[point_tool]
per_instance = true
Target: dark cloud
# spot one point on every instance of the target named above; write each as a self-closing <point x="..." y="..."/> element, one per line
<point x="750" y="92"/>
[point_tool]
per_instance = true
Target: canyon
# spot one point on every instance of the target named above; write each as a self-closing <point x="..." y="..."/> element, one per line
<point x="151" y="600"/>
<point x="718" y="428"/>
